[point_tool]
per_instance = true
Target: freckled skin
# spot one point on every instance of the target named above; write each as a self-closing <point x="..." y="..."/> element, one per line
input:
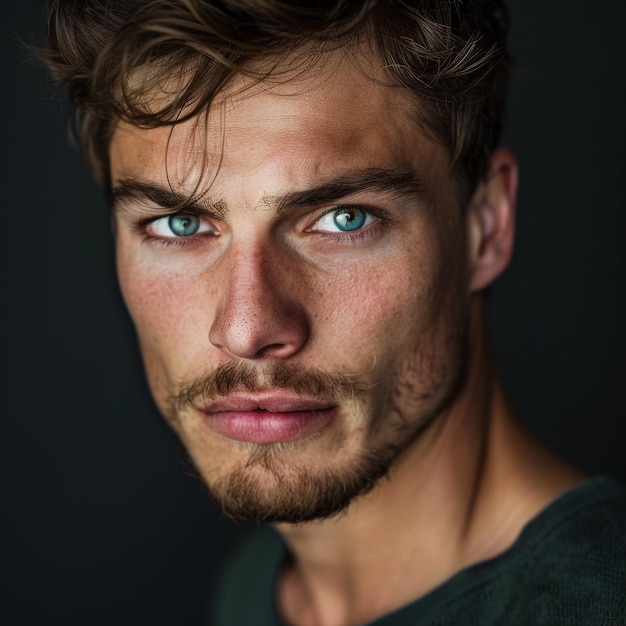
<point x="389" y="310"/>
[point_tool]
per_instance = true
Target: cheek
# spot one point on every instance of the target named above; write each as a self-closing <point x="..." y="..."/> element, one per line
<point x="154" y="301"/>
<point x="380" y="305"/>
<point x="170" y="316"/>
<point x="399" y="297"/>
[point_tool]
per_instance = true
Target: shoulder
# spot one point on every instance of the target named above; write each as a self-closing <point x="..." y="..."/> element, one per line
<point x="567" y="568"/>
<point x="245" y="591"/>
<point x="570" y="561"/>
<point x="588" y="521"/>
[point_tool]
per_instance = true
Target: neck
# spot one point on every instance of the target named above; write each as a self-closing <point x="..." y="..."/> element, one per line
<point x="460" y="495"/>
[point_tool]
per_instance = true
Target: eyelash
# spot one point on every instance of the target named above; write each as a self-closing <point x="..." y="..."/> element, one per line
<point x="360" y="235"/>
<point x="178" y="242"/>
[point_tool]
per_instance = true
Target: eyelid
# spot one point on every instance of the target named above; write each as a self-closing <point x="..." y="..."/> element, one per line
<point x="159" y="213"/>
<point x="371" y="213"/>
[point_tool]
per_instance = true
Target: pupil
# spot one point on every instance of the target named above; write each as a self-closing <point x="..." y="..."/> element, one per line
<point x="184" y="225"/>
<point x="349" y="219"/>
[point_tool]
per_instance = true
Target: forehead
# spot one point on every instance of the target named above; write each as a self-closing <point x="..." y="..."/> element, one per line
<point x="332" y="117"/>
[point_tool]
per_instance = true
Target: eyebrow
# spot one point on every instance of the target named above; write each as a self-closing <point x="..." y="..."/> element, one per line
<point x="397" y="182"/>
<point x="165" y="199"/>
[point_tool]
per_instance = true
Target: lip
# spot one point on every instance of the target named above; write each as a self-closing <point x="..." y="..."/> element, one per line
<point x="268" y="417"/>
<point x="273" y="401"/>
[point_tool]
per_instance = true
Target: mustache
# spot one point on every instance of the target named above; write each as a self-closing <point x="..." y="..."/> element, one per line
<point x="231" y="377"/>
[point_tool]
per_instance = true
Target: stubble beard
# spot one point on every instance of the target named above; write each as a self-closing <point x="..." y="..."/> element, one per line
<point x="267" y="489"/>
<point x="270" y="487"/>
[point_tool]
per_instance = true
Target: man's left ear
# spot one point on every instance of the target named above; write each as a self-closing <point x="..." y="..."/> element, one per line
<point x="491" y="221"/>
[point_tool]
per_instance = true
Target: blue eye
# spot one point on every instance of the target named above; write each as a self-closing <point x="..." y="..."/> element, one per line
<point x="180" y="225"/>
<point x="183" y="225"/>
<point x="349" y="219"/>
<point x="344" y="219"/>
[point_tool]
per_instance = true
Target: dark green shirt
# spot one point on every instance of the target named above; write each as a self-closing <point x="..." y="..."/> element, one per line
<point x="568" y="567"/>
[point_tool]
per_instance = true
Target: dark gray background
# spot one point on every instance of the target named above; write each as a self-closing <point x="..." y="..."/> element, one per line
<point x="100" y="522"/>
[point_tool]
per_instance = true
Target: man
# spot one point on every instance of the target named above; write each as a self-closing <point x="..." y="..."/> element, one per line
<point x="309" y="204"/>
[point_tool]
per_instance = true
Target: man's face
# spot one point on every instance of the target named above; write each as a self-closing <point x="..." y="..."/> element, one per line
<point x="304" y="319"/>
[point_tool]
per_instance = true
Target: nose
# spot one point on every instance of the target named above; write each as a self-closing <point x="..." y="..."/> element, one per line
<point x="258" y="315"/>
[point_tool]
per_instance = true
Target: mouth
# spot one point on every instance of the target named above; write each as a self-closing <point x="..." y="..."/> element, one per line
<point x="268" y="417"/>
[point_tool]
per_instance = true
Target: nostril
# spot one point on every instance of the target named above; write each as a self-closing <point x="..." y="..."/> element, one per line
<point x="272" y="350"/>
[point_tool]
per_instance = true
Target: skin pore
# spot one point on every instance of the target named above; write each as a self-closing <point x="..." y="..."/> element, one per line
<point x="328" y="259"/>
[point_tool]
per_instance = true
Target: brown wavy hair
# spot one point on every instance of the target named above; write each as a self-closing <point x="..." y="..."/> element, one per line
<point x="451" y="54"/>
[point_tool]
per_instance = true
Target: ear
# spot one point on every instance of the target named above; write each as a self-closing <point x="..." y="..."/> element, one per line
<point x="491" y="221"/>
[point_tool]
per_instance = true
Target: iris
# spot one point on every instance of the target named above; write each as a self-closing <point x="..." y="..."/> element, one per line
<point x="349" y="218"/>
<point x="183" y="225"/>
